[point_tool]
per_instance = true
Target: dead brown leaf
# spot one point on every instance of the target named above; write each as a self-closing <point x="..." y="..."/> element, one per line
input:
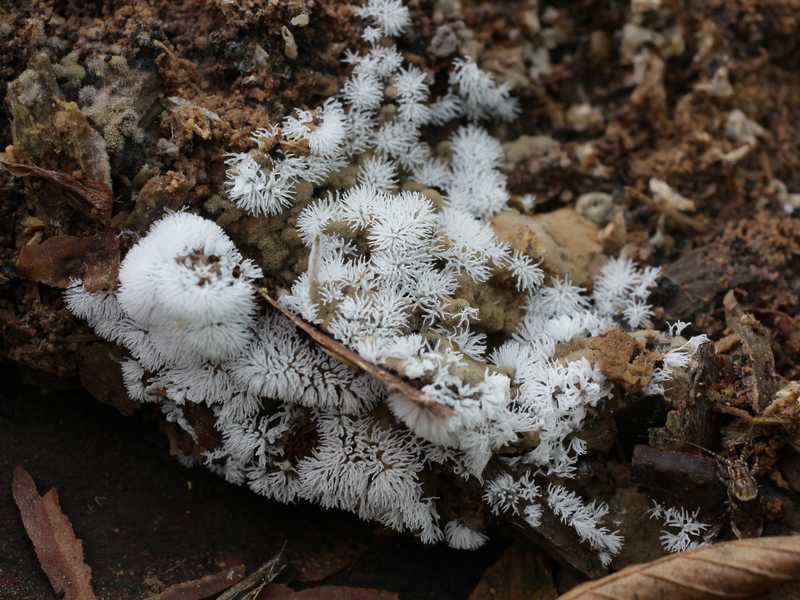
<point x="325" y="592"/>
<point x="99" y="372"/>
<point x="741" y="569"/>
<point x="204" y="587"/>
<point x="58" y="259"/>
<point x="316" y="564"/>
<point x="393" y="383"/>
<point x="560" y="541"/>
<point x="90" y="197"/>
<point x="60" y="553"/>
<point x="692" y="223"/>
<point x="251" y="587"/>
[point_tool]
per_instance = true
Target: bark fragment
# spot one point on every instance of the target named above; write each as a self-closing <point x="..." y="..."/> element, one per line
<point x="760" y="376"/>
<point x="677" y="476"/>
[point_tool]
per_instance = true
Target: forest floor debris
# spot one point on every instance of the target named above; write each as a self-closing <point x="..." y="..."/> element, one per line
<point x="672" y="133"/>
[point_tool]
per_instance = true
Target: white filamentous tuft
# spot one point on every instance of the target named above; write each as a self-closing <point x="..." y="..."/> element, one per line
<point x="256" y="191"/>
<point x="187" y="284"/>
<point x="461" y="537"/>
<point x="585" y="520"/>
<point x="390" y="17"/>
<point x="481" y="96"/>
<point x="507" y="494"/>
<point x="92" y="307"/>
<point x="682" y="529"/>
<point x="279" y="363"/>
<point x="371" y="471"/>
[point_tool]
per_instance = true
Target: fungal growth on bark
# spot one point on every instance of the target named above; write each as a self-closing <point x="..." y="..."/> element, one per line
<point x="403" y="260"/>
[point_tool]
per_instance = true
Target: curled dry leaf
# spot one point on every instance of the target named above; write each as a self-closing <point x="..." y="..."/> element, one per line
<point x="741" y="569"/>
<point x="93" y="198"/>
<point x="60" y="553"/>
<point x="394" y="383"/>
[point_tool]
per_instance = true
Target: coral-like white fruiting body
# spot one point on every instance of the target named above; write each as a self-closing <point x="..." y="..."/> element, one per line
<point x="281" y="364"/>
<point x="507" y="494"/>
<point x="682" y="529"/>
<point x="461" y="537"/>
<point x="371" y="471"/>
<point x="390" y="259"/>
<point x="481" y="96"/>
<point x="585" y="520"/>
<point x="189" y="287"/>
<point x="390" y="17"/>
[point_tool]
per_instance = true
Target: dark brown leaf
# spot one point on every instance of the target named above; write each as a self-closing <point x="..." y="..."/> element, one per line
<point x="204" y="587"/>
<point x="251" y="586"/>
<point x="275" y="591"/>
<point x="324" y="561"/>
<point x="202" y="421"/>
<point x="57" y="260"/>
<point x="393" y="383"/>
<point x="741" y="569"/>
<point x="90" y="197"/>
<point x="100" y="375"/>
<point x="325" y="592"/>
<point x="60" y="553"/>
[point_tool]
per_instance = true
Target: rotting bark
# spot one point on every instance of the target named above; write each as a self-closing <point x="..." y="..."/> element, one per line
<point x="760" y="377"/>
<point x="678" y="476"/>
<point x="692" y="419"/>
